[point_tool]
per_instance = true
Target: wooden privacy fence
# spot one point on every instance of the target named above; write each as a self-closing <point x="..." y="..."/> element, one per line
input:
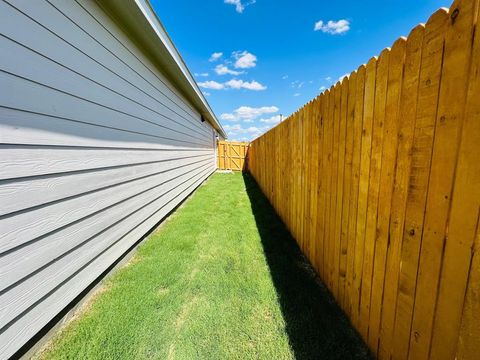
<point x="232" y="155"/>
<point x="378" y="179"/>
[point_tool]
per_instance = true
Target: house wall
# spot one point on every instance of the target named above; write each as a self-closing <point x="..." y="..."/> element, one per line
<point x="96" y="147"/>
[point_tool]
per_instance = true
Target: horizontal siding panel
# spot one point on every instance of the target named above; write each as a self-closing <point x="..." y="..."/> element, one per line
<point x="96" y="147"/>
<point x="26" y="194"/>
<point x="100" y="27"/>
<point x="30" y="128"/>
<point x="56" y="256"/>
<point x="115" y="243"/>
<point x="84" y="97"/>
<point x="21" y="161"/>
<point x="21" y="229"/>
<point x="28" y="64"/>
<point x="58" y="38"/>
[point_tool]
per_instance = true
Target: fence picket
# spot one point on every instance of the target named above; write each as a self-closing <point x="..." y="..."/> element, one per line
<point x="451" y="108"/>
<point x="378" y="180"/>
<point x="466" y="193"/>
<point x="408" y="106"/>
<point x="389" y="159"/>
<point x="232" y="155"/>
<point x="352" y="228"/>
<point x="344" y="240"/>
<point x="340" y="185"/>
<point x="373" y="188"/>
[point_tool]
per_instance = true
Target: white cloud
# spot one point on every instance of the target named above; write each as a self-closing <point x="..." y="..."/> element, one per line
<point x="205" y="74"/>
<point x="232" y="84"/>
<point x="322" y="88"/>
<point x="296" y="94"/>
<point x="297" y="84"/>
<point x="206" y="93"/>
<point x="231" y="128"/>
<point x="215" y="56"/>
<point x="284" y="77"/>
<point x="332" y="27"/>
<point x="248" y="113"/>
<point x="343" y="76"/>
<point x="237" y="132"/>
<point x="244" y="60"/>
<point x="211" y="85"/>
<point x="240" y="84"/>
<point x="221" y="69"/>
<point x="238" y="129"/>
<point x="271" y="120"/>
<point x="229" y="117"/>
<point x="239" y="6"/>
<point x="328" y="78"/>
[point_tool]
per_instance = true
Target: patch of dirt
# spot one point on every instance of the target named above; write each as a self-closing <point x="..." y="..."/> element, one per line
<point x="193" y="273"/>
<point x="184" y="312"/>
<point x="163" y="291"/>
<point x="132" y="261"/>
<point x="181" y="318"/>
<point x="82" y="309"/>
<point x="171" y="352"/>
<point x="87" y="305"/>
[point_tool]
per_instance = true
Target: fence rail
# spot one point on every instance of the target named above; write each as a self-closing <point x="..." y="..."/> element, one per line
<point x="378" y="179"/>
<point x="232" y="155"/>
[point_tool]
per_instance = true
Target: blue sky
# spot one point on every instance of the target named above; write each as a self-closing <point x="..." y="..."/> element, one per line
<point x="277" y="55"/>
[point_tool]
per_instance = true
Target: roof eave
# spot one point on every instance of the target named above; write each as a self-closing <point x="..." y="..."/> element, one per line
<point x="139" y="20"/>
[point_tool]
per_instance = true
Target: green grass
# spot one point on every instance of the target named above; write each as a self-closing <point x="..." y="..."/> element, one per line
<point x="222" y="279"/>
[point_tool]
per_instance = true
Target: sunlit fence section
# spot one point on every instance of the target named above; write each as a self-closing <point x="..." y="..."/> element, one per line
<point x="378" y="179"/>
<point x="232" y="155"/>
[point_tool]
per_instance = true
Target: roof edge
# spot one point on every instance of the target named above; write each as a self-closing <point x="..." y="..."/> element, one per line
<point x="142" y="23"/>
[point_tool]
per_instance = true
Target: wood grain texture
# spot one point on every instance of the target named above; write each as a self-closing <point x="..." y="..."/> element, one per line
<point x="371" y="231"/>
<point x="454" y="162"/>
<point x="389" y="154"/>
<point x="232" y="155"/>
<point x="408" y="106"/>
<point x="395" y="233"/>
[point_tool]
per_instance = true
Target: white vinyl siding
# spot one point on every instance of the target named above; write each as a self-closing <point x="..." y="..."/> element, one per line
<point x="96" y="147"/>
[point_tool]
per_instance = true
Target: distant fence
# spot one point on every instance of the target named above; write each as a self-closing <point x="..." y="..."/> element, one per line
<point x="232" y="155"/>
<point x="378" y="179"/>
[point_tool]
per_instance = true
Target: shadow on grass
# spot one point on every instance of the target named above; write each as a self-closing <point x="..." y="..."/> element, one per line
<point x="316" y="326"/>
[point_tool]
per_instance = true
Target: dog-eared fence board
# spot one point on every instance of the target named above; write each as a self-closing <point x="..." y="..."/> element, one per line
<point x="450" y="165"/>
<point x="465" y="217"/>
<point x="395" y="183"/>
<point x="408" y="106"/>
<point x="359" y="77"/>
<point x="431" y="68"/>
<point x="390" y="141"/>
<point x="96" y="147"/>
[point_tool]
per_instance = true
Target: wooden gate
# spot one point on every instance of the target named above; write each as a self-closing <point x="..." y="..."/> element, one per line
<point x="232" y="155"/>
